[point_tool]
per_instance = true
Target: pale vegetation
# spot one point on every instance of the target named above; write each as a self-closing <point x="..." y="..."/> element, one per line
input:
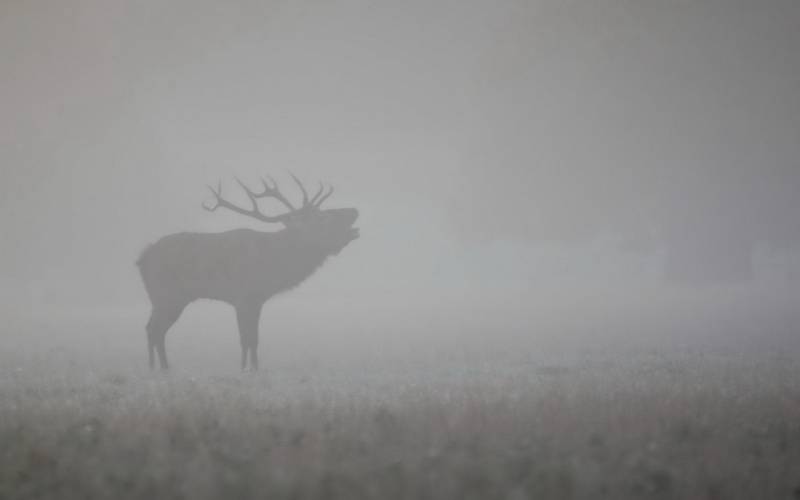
<point x="650" y="426"/>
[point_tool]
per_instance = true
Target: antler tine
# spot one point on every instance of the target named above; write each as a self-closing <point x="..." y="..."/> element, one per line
<point x="249" y="193"/>
<point x="302" y="189"/>
<point x="314" y="198"/>
<point x="217" y="193"/>
<point x="274" y="192"/>
<point x="325" y="196"/>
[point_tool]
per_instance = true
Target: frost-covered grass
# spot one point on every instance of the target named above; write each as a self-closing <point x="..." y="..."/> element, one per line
<point x="649" y="426"/>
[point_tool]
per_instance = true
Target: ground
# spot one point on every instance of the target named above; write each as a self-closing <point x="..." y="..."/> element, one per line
<point x="680" y="427"/>
<point x="495" y="418"/>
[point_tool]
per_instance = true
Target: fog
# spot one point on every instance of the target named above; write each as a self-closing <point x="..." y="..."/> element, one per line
<point x="526" y="154"/>
<point x="572" y="213"/>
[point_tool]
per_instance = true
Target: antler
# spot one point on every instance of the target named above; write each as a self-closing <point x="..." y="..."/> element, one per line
<point x="324" y="197"/>
<point x="302" y="189"/>
<point x="254" y="212"/>
<point x="273" y="192"/>
<point x="316" y="200"/>
<point x="268" y="192"/>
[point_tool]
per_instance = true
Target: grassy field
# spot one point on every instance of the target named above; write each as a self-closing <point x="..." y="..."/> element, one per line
<point x="650" y="426"/>
<point x="616" y="402"/>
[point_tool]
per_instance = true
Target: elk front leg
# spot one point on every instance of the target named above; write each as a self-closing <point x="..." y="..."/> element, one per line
<point x="247" y="317"/>
<point x="253" y="342"/>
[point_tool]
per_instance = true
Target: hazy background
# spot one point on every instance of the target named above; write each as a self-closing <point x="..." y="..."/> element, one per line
<point x="517" y="164"/>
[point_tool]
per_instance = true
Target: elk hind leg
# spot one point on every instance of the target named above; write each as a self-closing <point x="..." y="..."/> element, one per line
<point x="161" y="319"/>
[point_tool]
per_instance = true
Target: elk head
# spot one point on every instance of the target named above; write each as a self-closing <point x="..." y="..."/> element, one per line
<point x="329" y="230"/>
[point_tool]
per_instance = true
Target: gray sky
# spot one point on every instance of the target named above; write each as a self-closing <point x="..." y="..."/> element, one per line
<point x="475" y="137"/>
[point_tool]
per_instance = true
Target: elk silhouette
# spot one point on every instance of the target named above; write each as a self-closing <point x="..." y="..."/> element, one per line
<point x="242" y="267"/>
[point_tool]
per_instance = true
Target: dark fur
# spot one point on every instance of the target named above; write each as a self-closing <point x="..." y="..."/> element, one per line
<point x="242" y="267"/>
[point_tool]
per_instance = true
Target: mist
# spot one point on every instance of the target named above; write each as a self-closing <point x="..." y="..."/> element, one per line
<point x="540" y="185"/>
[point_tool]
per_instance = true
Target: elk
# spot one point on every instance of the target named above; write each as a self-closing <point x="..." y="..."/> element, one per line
<point x="242" y="267"/>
